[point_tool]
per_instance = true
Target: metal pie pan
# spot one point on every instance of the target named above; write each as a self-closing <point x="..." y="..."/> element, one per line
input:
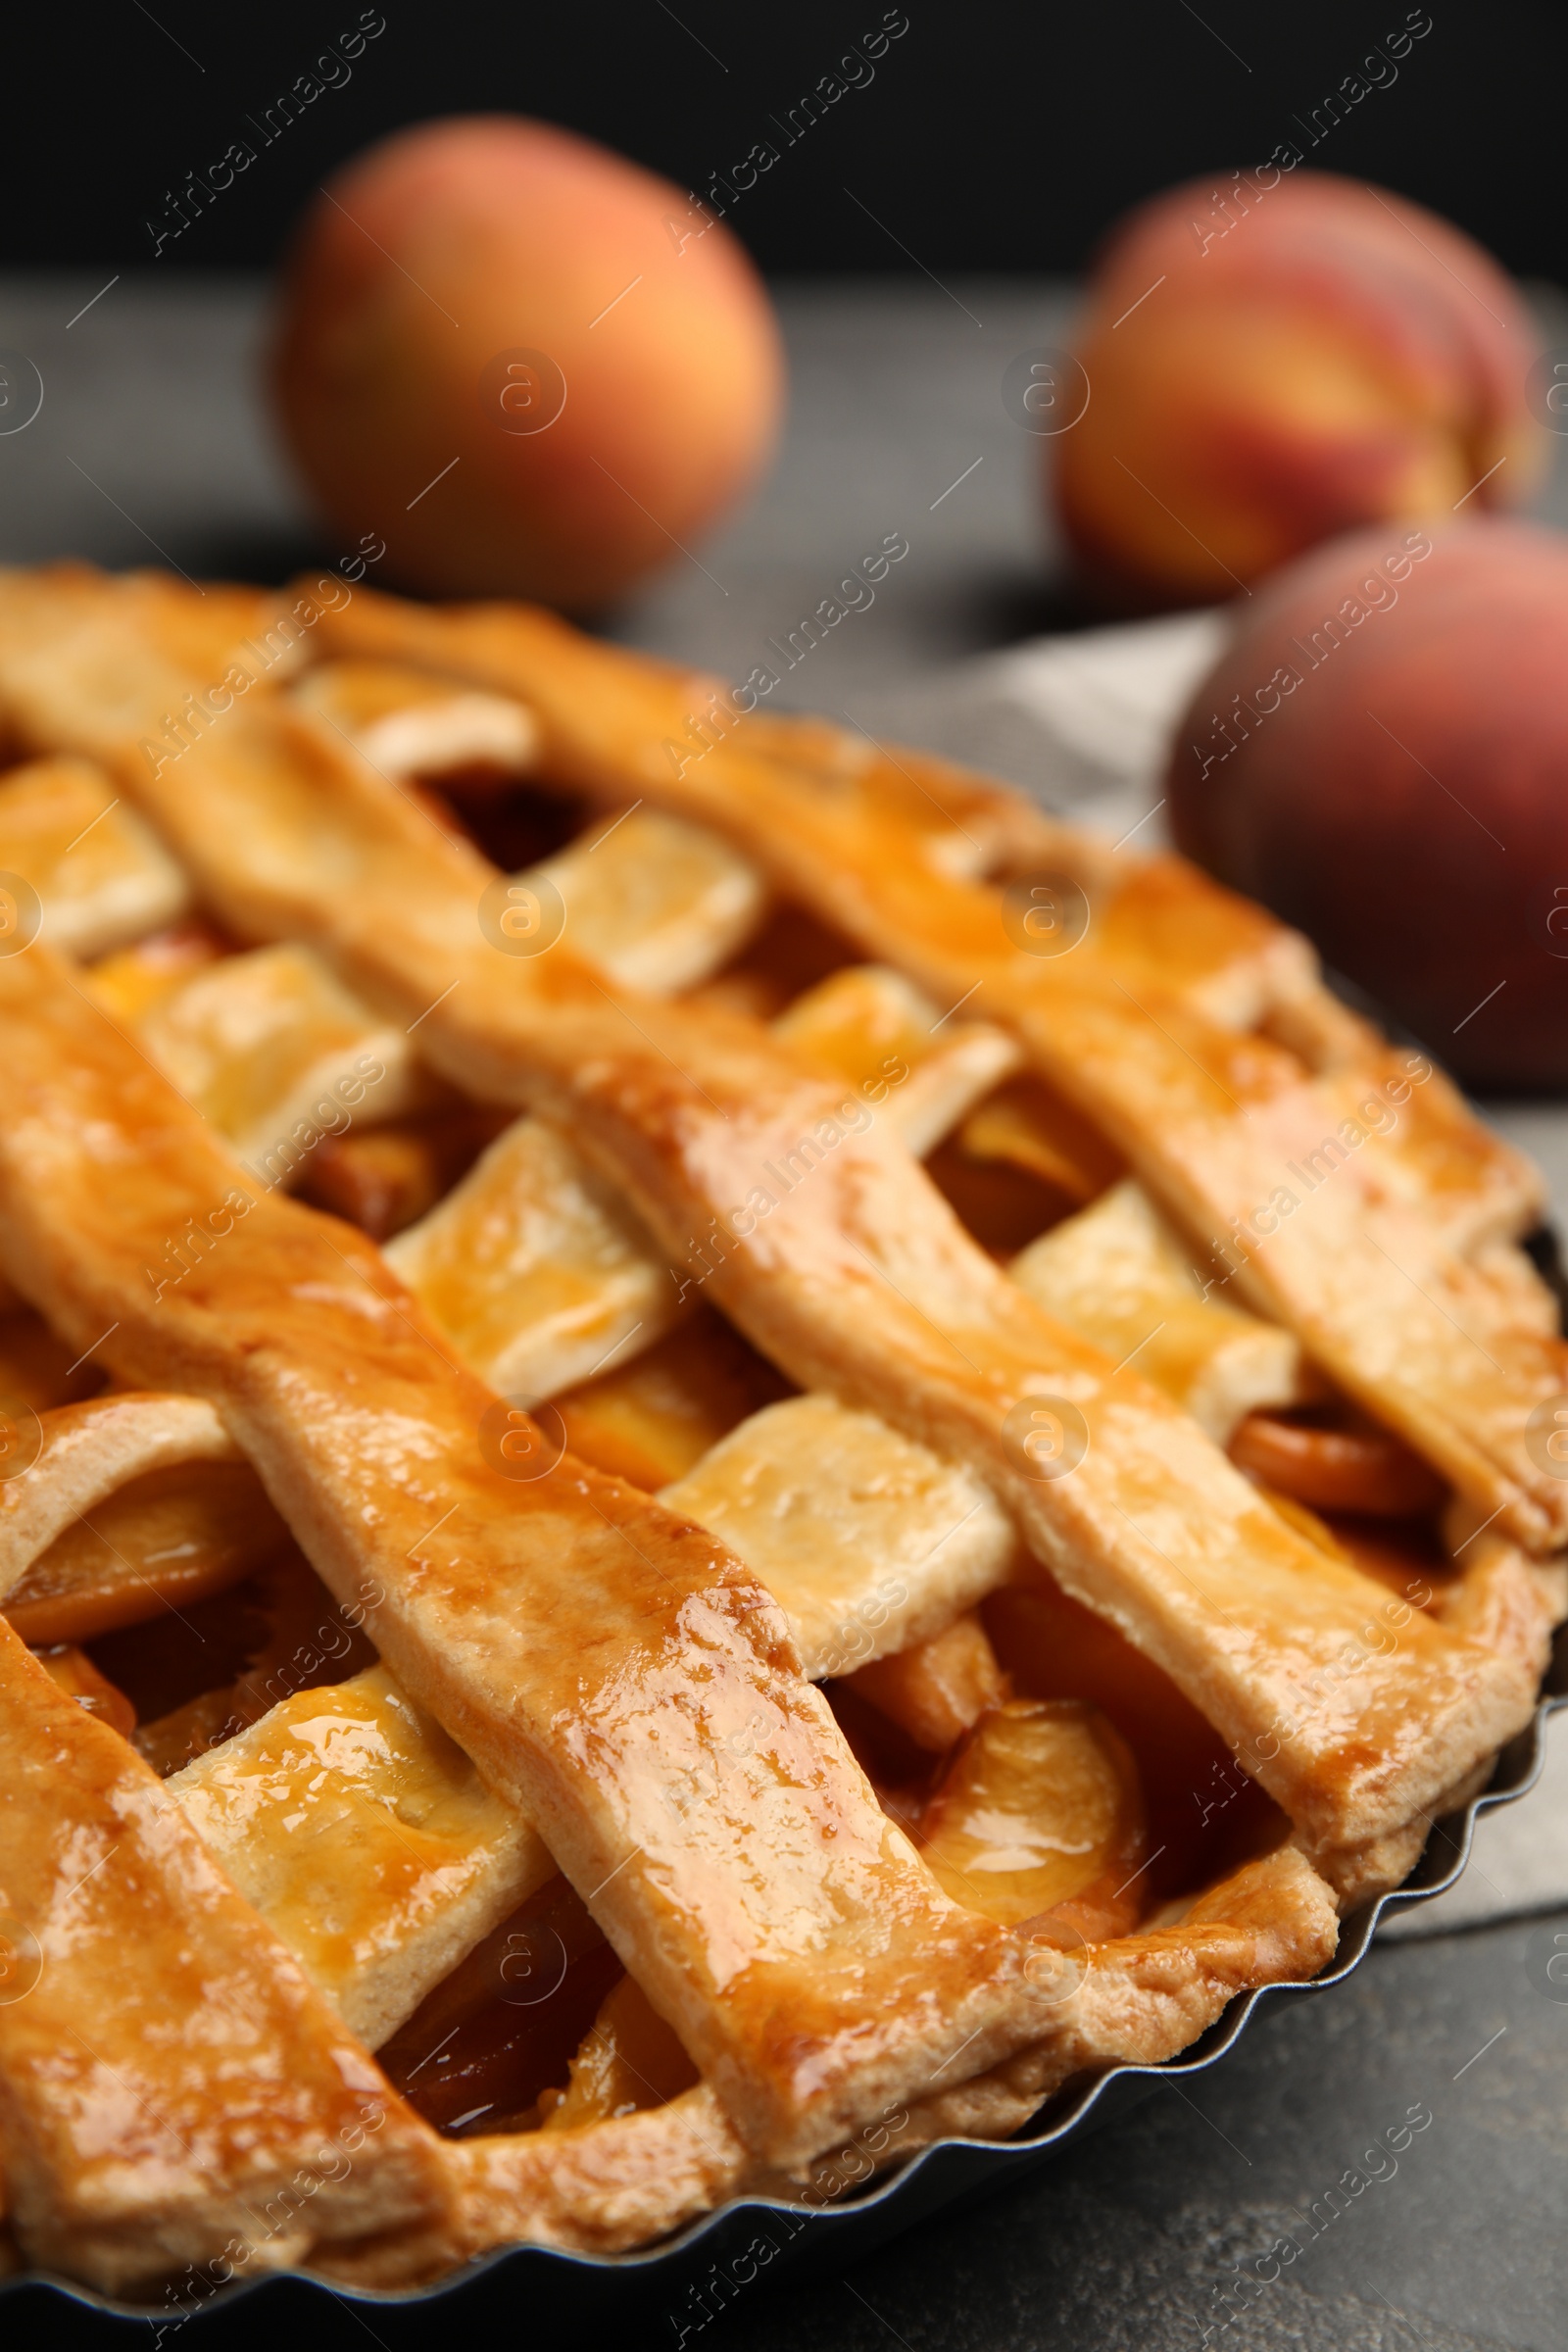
<point x="684" y="2282"/>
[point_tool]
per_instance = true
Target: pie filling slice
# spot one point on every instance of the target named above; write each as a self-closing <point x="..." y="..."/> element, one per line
<point x="901" y="1518"/>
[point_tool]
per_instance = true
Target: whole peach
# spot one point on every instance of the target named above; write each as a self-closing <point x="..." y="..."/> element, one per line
<point x="1381" y="756"/>
<point x="1277" y="360"/>
<point x="532" y="367"/>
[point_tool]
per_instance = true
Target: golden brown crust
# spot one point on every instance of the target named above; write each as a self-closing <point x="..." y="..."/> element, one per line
<point x="1136" y="2000"/>
<point x="598" y="2190"/>
<point x="1492" y="1595"/>
<point x="102" y="877"/>
<point x="86" y="1452"/>
<point x="366" y="1840"/>
<point x="1505" y="1601"/>
<point x="1119" y="1273"/>
<point x="866" y="1542"/>
<point x="1133" y="2001"/>
<point x="131" y="2144"/>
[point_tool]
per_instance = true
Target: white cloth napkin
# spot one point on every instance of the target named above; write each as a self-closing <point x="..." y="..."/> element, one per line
<point x="1084" y="723"/>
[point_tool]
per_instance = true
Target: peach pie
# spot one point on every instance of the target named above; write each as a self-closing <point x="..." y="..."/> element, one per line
<point x="715" y="1451"/>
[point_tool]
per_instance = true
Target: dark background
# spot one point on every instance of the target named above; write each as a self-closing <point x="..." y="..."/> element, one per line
<point x="991" y="138"/>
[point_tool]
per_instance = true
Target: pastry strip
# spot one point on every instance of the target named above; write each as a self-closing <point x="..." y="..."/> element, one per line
<point x="1140" y="1999"/>
<point x="1118" y="1274"/>
<point x="102" y="875"/>
<point x="366" y="1840"/>
<point x="867" y="1542"/>
<point x="271" y="1049"/>
<point x="131" y="2143"/>
<point x="88" y="1451"/>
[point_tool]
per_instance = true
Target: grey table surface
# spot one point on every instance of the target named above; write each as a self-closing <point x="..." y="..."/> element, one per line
<point x="152" y="444"/>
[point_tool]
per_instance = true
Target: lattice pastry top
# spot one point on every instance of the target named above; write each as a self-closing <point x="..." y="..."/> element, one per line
<point x="723" y="1652"/>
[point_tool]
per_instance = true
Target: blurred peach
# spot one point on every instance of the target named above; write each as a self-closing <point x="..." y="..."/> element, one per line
<point x="1277" y="360"/>
<point x="1381" y="756"/>
<point x="531" y="366"/>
